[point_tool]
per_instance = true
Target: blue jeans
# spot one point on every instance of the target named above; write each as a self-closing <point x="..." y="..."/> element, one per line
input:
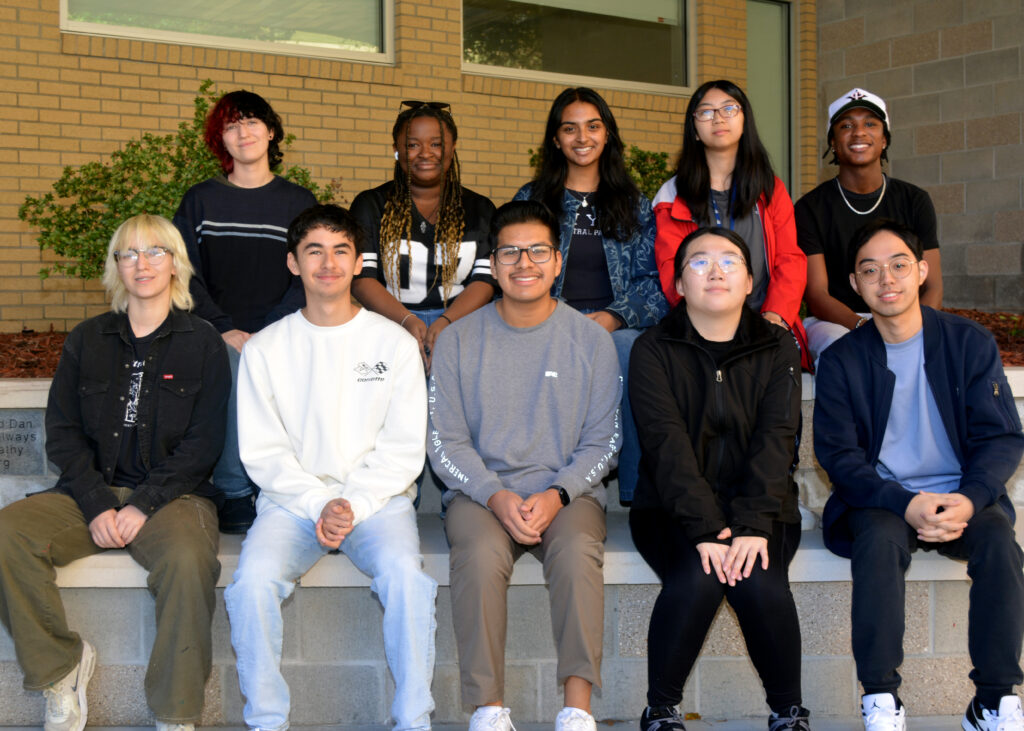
<point x="629" y="457"/>
<point x="279" y="548"/>
<point x="229" y="474"/>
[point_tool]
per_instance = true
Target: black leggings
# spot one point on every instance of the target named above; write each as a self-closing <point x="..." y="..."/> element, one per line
<point x="690" y="598"/>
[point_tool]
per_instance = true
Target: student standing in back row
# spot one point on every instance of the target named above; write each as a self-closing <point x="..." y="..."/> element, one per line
<point x="606" y="237"/>
<point x="724" y="178"/>
<point x="828" y="216"/>
<point x="234" y="226"/>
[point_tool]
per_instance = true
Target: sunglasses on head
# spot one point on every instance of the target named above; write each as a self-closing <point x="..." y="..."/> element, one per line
<point x="416" y="104"/>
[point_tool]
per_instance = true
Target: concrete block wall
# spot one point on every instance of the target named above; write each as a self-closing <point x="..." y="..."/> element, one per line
<point x="69" y="99"/>
<point x="334" y="658"/>
<point x="951" y="72"/>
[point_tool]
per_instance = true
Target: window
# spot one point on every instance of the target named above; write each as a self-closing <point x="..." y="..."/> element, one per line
<point x="640" y="41"/>
<point x="354" y="29"/>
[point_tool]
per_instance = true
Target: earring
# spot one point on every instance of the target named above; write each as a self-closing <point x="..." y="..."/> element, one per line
<point x="396" y="154"/>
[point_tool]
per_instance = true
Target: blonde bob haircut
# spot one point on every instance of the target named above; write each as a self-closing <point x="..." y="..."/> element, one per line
<point x="142" y="232"/>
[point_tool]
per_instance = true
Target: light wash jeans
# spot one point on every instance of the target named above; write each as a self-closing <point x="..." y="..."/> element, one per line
<point x="822" y="333"/>
<point x="279" y="548"/>
<point x="229" y="475"/>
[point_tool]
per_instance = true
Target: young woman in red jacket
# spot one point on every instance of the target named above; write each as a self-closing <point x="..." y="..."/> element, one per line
<point x="724" y="178"/>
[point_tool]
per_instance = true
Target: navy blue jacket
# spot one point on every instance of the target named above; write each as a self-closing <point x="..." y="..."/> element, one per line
<point x="181" y="414"/>
<point x="853" y="395"/>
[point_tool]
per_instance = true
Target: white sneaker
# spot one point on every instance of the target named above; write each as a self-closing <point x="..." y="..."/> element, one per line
<point x="161" y="726"/>
<point x="491" y="718"/>
<point x="880" y="714"/>
<point x="66" y="706"/>
<point x="574" y="719"/>
<point x="1009" y="718"/>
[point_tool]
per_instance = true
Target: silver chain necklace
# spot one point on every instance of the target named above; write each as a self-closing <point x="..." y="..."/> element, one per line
<point x="870" y="210"/>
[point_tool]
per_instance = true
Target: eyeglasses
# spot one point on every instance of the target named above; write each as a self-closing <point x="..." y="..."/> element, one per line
<point x="899" y="268"/>
<point x="154" y="255"/>
<point x="509" y="255"/>
<point x="416" y="104"/>
<point x="728" y="263"/>
<point x="727" y="112"/>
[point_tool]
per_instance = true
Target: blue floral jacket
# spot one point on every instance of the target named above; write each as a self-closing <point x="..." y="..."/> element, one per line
<point x="638" y="299"/>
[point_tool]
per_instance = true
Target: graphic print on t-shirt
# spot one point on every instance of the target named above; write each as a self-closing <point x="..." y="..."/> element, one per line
<point x="417" y="272"/>
<point x="131" y="409"/>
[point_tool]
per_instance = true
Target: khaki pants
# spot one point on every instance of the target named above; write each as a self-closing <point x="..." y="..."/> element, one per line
<point x="177" y="545"/>
<point x="482" y="557"/>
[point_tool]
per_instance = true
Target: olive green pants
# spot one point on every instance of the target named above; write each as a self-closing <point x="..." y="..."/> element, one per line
<point x="177" y="545"/>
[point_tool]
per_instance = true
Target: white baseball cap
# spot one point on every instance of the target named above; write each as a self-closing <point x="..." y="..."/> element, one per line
<point x="857" y="98"/>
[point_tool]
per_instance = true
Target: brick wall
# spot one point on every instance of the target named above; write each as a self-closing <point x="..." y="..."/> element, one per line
<point x="951" y="73"/>
<point x="70" y="99"/>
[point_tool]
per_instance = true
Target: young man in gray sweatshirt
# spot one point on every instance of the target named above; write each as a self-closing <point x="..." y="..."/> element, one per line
<point x="524" y="425"/>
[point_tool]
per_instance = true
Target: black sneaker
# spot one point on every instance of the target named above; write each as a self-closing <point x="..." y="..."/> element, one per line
<point x="237" y="514"/>
<point x="796" y="718"/>
<point x="661" y="718"/>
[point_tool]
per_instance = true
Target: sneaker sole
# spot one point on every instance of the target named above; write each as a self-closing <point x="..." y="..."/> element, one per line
<point x="85" y="670"/>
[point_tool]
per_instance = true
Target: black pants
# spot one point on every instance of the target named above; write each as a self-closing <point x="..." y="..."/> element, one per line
<point x="690" y="598"/>
<point x="883" y="542"/>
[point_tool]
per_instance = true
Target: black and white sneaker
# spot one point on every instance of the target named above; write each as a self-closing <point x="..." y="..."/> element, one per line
<point x="881" y="712"/>
<point x="1009" y="718"/>
<point x="797" y="718"/>
<point x="661" y="718"/>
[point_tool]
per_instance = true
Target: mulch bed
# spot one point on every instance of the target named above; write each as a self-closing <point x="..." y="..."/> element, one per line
<point x="34" y="355"/>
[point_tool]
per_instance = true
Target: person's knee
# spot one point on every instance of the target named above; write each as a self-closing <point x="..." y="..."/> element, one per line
<point x="405" y="572"/>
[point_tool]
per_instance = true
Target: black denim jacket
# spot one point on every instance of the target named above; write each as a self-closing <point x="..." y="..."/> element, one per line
<point x="181" y="414"/>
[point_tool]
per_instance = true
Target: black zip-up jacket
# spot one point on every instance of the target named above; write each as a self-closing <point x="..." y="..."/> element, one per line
<point x="718" y="441"/>
<point x="181" y="415"/>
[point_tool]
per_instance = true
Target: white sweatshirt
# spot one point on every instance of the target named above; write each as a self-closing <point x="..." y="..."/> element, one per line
<point x="328" y="412"/>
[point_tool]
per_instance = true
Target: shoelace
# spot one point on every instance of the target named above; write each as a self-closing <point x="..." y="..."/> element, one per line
<point x="58" y="703"/>
<point x="1013" y="722"/>
<point x="575" y="721"/>
<point x="881" y="715"/>
<point x="673" y="722"/>
<point x="499" y="719"/>
<point x="793" y="721"/>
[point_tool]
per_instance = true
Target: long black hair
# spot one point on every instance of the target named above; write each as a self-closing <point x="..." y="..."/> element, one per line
<point x="617" y="195"/>
<point x="752" y="176"/>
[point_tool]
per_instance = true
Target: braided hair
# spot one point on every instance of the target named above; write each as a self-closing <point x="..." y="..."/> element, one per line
<point x="396" y="221"/>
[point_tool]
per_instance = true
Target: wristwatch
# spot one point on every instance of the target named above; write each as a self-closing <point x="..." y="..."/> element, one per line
<point x="562" y="494"/>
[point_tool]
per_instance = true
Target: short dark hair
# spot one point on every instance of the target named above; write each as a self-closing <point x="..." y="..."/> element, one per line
<point x="868" y="231"/>
<point x="529" y="211"/>
<point x="722" y="231"/>
<point x="237" y="105"/>
<point x="331" y="217"/>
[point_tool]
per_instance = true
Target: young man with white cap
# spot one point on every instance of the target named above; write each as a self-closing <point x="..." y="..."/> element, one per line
<point x="826" y="218"/>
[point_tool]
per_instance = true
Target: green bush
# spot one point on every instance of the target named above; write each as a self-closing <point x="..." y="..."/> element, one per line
<point x="649" y="170"/>
<point x="77" y="218"/>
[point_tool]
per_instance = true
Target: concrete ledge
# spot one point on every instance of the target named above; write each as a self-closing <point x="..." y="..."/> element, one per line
<point x="623" y="565"/>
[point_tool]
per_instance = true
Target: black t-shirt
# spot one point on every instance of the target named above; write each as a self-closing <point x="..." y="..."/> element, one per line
<point x="421" y="285"/>
<point x="825" y="225"/>
<point x="587" y="284"/>
<point x="130" y="470"/>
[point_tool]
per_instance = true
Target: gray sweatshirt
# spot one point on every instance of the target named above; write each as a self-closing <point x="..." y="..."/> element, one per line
<point x="523" y="409"/>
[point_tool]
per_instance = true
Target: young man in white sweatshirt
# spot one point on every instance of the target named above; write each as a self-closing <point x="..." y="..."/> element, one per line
<point x="332" y="420"/>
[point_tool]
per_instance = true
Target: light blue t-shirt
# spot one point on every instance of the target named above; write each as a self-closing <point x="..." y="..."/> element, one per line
<point x="916" y="451"/>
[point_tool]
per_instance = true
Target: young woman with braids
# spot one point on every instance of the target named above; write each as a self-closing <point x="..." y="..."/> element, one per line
<point x="607" y="236"/>
<point x="426" y="261"/>
<point x="724" y="178"/>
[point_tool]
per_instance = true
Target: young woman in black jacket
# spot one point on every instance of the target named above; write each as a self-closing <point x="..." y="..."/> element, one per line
<point x="716" y="396"/>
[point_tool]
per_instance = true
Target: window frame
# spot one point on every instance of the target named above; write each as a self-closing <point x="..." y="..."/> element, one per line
<point x="562" y="79"/>
<point x="135" y="33"/>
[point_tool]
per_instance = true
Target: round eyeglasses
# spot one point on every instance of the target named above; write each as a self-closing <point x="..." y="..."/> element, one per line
<point x="899" y="268"/>
<point x="728" y="263"/>
<point x="509" y="255"/>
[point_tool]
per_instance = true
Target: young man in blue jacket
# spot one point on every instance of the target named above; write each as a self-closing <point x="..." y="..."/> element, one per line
<point x="916" y="426"/>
